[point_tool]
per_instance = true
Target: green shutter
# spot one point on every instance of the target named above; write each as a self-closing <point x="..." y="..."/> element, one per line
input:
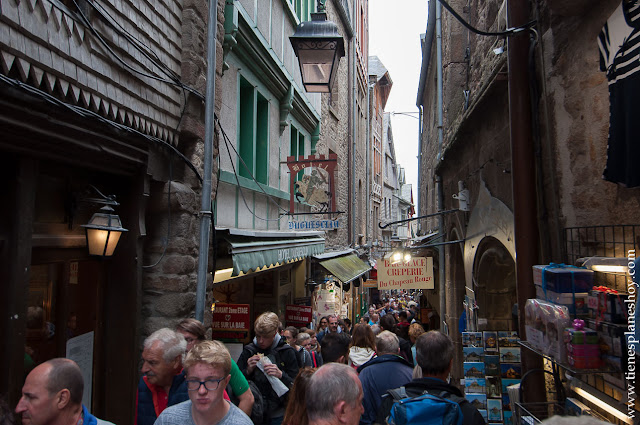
<point x="262" y="140"/>
<point x="246" y="128"/>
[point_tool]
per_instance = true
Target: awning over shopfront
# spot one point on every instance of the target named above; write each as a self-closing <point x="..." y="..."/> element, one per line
<point x="346" y="268"/>
<point x="252" y="250"/>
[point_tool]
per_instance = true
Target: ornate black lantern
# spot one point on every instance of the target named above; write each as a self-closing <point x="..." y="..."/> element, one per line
<point x="319" y="47"/>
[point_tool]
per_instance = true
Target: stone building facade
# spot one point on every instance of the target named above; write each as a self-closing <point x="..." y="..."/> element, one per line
<point x="566" y="150"/>
<point x="99" y="98"/>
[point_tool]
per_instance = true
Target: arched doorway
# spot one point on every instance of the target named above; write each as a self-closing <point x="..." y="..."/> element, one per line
<point x="494" y="280"/>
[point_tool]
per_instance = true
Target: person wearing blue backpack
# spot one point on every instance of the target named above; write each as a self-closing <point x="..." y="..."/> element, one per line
<point x="430" y="399"/>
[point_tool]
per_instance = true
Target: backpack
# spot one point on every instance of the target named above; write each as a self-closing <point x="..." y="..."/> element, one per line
<point x="258" y="410"/>
<point x="425" y="409"/>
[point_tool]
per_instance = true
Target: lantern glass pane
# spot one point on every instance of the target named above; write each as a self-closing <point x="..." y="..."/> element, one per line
<point x="114" y="237"/>
<point x="97" y="239"/>
<point x="315" y="65"/>
<point x="100" y="220"/>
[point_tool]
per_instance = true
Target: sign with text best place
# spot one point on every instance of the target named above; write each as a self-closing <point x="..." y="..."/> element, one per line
<point x="415" y="274"/>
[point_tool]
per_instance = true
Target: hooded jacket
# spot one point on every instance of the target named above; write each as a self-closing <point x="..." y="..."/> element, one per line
<point x="382" y="373"/>
<point x="360" y="355"/>
<point x="285" y="357"/>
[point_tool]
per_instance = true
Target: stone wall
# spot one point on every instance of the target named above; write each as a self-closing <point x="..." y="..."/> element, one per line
<point x="335" y="136"/>
<point x="169" y="287"/>
<point x="578" y="118"/>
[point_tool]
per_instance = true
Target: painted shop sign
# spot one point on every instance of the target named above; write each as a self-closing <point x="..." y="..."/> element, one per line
<point x="370" y="283"/>
<point x="287" y="254"/>
<point x="297" y="315"/>
<point x="315" y="187"/>
<point x="416" y="274"/>
<point x="230" y="322"/>
<point x="314" y="225"/>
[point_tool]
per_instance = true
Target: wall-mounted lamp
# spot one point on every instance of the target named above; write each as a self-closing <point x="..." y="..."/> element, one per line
<point x="319" y="47"/>
<point x="400" y="256"/>
<point x="605" y="264"/>
<point x="105" y="228"/>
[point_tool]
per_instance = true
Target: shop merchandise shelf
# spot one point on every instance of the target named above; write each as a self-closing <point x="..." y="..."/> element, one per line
<point x="535" y="413"/>
<point x="566" y="366"/>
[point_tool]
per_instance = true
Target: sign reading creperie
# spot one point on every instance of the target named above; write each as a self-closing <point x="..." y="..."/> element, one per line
<point x="415" y="274"/>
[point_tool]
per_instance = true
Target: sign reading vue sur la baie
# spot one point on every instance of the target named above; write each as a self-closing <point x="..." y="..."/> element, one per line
<point x="230" y="322"/>
<point x="415" y="274"/>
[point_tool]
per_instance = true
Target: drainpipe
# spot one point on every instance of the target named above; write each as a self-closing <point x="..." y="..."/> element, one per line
<point x="368" y="168"/>
<point x="354" y="201"/>
<point x="441" y="257"/>
<point x="522" y="158"/>
<point x="522" y="174"/>
<point x="439" y="78"/>
<point x="205" y="205"/>
<point x="419" y="188"/>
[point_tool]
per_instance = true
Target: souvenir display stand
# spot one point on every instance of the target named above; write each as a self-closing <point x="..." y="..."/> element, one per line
<point x="578" y="329"/>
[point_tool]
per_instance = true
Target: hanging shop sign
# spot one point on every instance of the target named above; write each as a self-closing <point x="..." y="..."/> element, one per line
<point x="297" y="315"/>
<point x="230" y="322"/>
<point x="314" y="225"/>
<point x="314" y="187"/>
<point x="417" y="273"/>
<point x="370" y="283"/>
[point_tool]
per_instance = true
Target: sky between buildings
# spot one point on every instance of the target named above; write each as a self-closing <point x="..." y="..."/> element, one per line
<point x="394" y="36"/>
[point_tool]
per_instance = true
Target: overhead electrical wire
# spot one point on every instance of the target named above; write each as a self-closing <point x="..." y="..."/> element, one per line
<point x="173" y="79"/>
<point x="87" y="113"/>
<point x="508" y="32"/>
<point x="228" y="144"/>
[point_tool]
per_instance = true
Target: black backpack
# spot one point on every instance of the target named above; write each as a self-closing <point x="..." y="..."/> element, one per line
<point x="258" y="410"/>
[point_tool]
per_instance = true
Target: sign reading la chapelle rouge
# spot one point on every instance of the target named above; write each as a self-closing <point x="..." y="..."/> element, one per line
<point x="417" y="273"/>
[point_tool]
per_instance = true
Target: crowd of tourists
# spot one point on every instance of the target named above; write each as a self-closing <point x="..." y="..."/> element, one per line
<point x="335" y="374"/>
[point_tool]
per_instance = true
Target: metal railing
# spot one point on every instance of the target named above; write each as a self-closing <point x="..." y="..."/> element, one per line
<point x="601" y="241"/>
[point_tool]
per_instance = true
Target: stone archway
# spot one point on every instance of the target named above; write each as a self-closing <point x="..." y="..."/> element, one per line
<point x="494" y="281"/>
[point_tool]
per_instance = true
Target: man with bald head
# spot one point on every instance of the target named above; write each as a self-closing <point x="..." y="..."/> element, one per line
<point x="52" y="395"/>
<point x="334" y="396"/>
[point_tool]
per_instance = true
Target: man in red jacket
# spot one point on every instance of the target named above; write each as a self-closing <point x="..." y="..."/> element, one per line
<point x="163" y="382"/>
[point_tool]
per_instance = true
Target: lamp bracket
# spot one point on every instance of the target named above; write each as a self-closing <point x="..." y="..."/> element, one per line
<point x="103" y="200"/>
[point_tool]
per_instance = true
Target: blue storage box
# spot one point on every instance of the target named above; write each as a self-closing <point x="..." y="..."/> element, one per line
<point x="562" y="279"/>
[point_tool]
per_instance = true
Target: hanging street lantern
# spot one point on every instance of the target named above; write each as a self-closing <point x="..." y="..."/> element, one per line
<point x="319" y="47"/>
<point x="104" y="229"/>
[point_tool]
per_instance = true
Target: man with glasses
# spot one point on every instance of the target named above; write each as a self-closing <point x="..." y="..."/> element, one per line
<point x="208" y="368"/>
<point x="282" y="365"/>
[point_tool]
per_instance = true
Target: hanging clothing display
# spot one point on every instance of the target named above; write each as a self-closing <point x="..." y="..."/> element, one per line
<point x="619" y="45"/>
